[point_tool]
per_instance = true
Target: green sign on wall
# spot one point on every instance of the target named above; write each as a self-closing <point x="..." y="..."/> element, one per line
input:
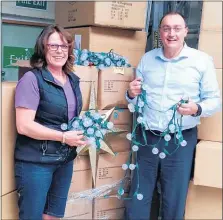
<point x="32" y="4"/>
<point x="12" y="54"/>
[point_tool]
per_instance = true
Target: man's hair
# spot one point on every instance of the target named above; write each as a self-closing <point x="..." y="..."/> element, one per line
<point x="173" y="13"/>
<point x="38" y="58"/>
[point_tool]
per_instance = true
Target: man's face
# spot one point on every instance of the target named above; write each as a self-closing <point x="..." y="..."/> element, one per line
<point x="172" y="32"/>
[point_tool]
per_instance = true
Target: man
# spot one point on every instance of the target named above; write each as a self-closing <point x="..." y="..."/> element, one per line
<point x="171" y="72"/>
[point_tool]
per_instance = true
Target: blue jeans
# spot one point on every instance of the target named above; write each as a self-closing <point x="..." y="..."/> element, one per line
<point x="42" y="189"/>
<point x="174" y="174"/>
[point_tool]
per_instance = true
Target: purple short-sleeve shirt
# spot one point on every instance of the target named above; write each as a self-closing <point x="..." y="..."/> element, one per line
<point x="27" y="94"/>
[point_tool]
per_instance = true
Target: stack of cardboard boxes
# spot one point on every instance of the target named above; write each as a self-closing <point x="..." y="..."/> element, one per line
<point x="205" y="192"/>
<point x="8" y="193"/>
<point x="100" y="27"/>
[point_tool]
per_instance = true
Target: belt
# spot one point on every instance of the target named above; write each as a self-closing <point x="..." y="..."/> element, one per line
<point x="160" y="132"/>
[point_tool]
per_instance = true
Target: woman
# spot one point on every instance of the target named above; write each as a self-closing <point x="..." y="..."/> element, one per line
<point x="47" y="97"/>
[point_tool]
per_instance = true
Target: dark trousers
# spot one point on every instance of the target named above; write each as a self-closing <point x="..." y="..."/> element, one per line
<point x="174" y="174"/>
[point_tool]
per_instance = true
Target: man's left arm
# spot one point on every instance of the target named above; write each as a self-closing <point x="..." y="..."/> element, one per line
<point x="209" y="91"/>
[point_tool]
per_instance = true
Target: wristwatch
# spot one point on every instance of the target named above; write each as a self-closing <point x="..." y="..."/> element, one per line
<point x="199" y="111"/>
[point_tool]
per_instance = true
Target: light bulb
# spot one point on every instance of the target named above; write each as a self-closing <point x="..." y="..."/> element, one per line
<point x="172" y="127"/>
<point x="132" y="166"/>
<point x="86" y="63"/>
<point x="119" y="64"/>
<point x="84" y="51"/>
<point x="167" y="137"/>
<point x="131" y="107"/>
<point x="63" y="126"/>
<point x="141" y="104"/>
<point x="75" y="124"/>
<point x="83" y="56"/>
<point x="90" y="131"/>
<point x="108" y="61"/>
<point x="155" y="150"/>
<point x="139" y="196"/>
<point x="110" y="125"/>
<point x="129" y="136"/>
<point x="96" y="116"/>
<point x="124" y="166"/>
<point x="140" y="119"/>
<point x="135" y="148"/>
<point x="162" y="155"/>
<point x="183" y="143"/>
<point x="98" y="134"/>
<point x="101" y="66"/>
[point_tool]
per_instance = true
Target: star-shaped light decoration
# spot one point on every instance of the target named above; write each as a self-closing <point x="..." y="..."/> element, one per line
<point x="96" y="128"/>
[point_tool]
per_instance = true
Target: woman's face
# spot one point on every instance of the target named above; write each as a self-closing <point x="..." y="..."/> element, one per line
<point x="56" y="51"/>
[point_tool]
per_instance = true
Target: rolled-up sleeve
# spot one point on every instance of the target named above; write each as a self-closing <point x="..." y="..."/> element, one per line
<point x="209" y="90"/>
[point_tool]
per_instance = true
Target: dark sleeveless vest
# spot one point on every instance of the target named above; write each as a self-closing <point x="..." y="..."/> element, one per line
<point x="52" y="112"/>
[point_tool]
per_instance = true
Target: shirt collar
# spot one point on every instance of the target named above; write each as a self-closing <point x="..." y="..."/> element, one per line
<point x="183" y="54"/>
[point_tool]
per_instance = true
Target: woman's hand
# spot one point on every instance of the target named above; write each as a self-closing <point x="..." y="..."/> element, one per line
<point x="74" y="138"/>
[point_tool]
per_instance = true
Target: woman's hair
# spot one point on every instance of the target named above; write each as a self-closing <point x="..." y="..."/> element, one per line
<point x="38" y="58"/>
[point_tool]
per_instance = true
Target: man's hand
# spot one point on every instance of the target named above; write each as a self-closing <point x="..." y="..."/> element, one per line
<point x="135" y="88"/>
<point x="189" y="108"/>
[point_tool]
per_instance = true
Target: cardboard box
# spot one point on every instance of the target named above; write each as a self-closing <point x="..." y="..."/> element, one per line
<point x="87" y="76"/>
<point x="108" y="208"/>
<point x="120" y="117"/>
<point x="119" y="143"/>
<point x="128" y="43"/>
<point x="112" y="87"/>
<point x="211" y="43"/>
<point x="211" y="16"/>
<point x="210" y="128"/>
<point x="9" y="135"/>
<point x="110" y="214"/>
<point x="78" y="209"/>
<point x="130" y="15"/>
<point x="9" y="206"/>
<point x="203" y="203"/>
<point x="110" y="168"/>
<point x="81" y="181"/>
<point x="208" y="164"/>
<point x="82" y="163"/>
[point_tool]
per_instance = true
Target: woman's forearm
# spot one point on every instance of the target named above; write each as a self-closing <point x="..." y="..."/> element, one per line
<point x="37" y="131"/>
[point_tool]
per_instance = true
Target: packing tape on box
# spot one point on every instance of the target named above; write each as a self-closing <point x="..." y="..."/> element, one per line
<point x="99" y="192"/>
<point x="121" y="70"/>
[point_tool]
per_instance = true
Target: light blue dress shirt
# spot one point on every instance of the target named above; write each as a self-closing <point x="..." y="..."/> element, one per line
<point x="191" y="74"/>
